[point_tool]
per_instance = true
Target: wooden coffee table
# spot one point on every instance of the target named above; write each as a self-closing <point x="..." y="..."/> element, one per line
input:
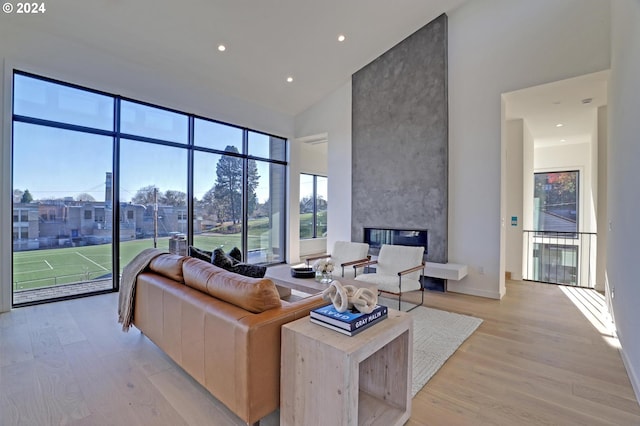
<point x="281" y="276"/>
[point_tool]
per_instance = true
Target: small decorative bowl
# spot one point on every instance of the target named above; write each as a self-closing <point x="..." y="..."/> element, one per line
<point x="303" y="273"/>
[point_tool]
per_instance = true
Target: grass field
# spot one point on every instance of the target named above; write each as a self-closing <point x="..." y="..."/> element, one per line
<point x="44" y="268"/>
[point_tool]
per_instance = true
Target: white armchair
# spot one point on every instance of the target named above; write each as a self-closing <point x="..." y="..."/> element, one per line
<point x="344" y="255"/>
<point x="397" y="271"/>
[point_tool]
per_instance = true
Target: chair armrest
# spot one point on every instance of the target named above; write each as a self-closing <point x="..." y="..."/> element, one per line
<point x="410" y="270"/>
<point x="321" y="256"/>
<point x="355" y="262"/>
<point x="365" y="263"/>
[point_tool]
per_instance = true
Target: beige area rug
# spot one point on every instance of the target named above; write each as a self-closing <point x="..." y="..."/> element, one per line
<point x="436" y="336"/>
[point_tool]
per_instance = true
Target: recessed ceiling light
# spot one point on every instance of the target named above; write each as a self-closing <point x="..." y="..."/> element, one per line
<point x="559" y="125"/>
<point x="563" y="140"/>
<point x="222" y="47"/>
<point x="289" y="79"/>
<point x="341" y="37"/>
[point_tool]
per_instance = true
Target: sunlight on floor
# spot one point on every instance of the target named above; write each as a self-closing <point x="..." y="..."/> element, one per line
<point x="594" y="307"/>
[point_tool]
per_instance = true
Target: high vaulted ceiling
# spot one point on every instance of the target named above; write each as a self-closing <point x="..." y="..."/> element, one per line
<point x="266" y="40"/>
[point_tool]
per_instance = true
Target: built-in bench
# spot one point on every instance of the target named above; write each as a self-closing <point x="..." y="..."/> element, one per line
<point x="445" y="271"/>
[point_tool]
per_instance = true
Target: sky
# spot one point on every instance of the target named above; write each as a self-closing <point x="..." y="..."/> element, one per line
<point x="56" y="163"/>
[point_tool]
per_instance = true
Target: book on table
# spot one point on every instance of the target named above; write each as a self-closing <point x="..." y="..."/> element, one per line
<point x="342" y="330"/>
<point x="349" y="320"/>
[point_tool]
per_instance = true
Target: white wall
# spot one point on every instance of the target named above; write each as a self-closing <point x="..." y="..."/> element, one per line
<point x="602" y="207"/>
<point x="623" y="189"/>
<point x="527" y="192"/>
<point x="497" y="46"/>
<point x="332" y="115"/>
<point x="22" y="46"/>
<point x="514" y="194"/>
<point x="527" y="183"/>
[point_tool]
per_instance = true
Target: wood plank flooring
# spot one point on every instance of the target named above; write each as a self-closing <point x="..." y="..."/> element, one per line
<point x="535" y="360"/>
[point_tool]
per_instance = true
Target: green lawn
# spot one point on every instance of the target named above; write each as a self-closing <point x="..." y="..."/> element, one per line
<point x="306" y="224"/>
<point x="43" y="268"/>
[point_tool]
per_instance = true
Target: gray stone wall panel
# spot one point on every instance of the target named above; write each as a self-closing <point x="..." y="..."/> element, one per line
<point x="400" y="139"/>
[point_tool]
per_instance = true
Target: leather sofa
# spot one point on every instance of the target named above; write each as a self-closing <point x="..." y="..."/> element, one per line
<point x="222" y="328"/>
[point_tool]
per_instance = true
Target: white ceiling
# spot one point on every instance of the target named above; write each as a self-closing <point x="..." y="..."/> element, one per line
<point x="544" y="107"/>
<point x="266" y="40"/>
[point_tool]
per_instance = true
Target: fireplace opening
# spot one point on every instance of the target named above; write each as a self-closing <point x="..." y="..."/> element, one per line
<point x="376" y="237"/>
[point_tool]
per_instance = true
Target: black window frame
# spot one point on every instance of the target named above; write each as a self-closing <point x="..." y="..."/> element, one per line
<point x="573" y="233"/>
<point x="116" y="135"/>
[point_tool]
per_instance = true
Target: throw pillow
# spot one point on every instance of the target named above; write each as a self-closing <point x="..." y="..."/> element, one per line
<point x="236" y="254"/>
<point x="200" y="254"/>
<point x="254" y="271"/>
<point x="222" y="260"/>
<point x="225" y="261"/>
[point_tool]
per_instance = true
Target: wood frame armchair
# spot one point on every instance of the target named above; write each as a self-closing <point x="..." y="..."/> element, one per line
<point x="387" y="276"/>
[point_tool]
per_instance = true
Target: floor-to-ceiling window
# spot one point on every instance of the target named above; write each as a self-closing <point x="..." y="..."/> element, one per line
<point x="62" y="151"/>
<point x="313" y="206"/>
<point x="89" y="167"/>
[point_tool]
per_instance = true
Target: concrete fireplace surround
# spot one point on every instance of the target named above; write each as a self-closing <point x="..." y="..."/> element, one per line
<point x="400" y="139"/>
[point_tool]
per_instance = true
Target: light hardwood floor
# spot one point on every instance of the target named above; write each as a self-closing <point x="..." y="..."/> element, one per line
<point x="534" y="360"/>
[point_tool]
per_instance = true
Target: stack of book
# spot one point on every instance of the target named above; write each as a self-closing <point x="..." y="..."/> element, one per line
<point x="349" y="323"/>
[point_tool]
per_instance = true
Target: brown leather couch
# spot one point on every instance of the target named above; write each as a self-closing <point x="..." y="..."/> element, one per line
<point x="220" y="327"/>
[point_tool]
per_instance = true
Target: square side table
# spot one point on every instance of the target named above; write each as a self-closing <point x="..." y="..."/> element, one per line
<point x="330" y="378"/>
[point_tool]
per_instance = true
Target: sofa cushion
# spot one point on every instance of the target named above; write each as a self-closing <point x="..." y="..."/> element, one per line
<point x="197" y="272"/>
<point x="200" y="254"/>
<point x="252" y="294"/>
<point x="169" y="265"/>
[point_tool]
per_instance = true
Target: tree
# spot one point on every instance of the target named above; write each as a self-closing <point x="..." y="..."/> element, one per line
<point x="26" y="197"/>
<point x="306" y="205"/>
<point x="253" y="180"/>
<point x="146" y="195"/>
<point x="85" y="197"/>
<point x="174" y="198"/>
<point x="227" y="191"/>
<point x="209" y="207"/>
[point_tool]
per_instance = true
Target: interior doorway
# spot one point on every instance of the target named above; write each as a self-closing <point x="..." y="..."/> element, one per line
<point x="555" y="181"/>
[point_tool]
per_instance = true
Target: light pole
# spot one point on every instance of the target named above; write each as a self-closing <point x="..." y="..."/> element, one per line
<point x="155" y="217"/>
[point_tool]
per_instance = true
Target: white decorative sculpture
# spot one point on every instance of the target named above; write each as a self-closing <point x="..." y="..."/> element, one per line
<point x="348" y="296"/>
